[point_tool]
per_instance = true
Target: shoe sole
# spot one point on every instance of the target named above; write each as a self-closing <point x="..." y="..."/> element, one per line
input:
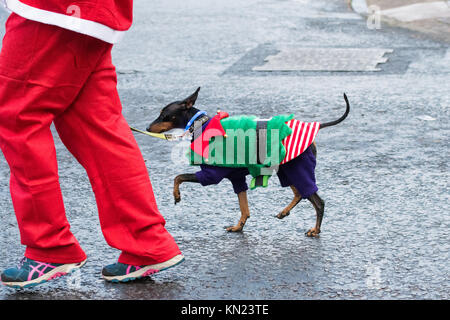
<point x="146" y="271"/>
<point x="54" y="274"/>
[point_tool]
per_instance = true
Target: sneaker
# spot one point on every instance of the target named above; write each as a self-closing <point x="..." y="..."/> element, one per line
<point x="31" y="273"/>
<point x="119" y="272"/>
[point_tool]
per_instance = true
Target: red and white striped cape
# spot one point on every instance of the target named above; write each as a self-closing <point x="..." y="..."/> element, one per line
<point x="302" y="136"/>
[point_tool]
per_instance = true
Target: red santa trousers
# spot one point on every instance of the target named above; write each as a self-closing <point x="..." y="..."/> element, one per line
<point x="53" y="75"/>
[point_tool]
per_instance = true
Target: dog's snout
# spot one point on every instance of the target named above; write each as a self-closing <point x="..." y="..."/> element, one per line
<point x="152" y="126"/>
<point x="159" y="127"/>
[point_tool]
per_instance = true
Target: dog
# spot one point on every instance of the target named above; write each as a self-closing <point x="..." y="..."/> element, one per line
<point x="298" y="174"/>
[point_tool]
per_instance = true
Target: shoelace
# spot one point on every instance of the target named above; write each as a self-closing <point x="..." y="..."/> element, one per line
<point x="21" y="262"/>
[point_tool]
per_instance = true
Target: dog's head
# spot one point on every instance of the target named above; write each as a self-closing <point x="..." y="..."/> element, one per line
<point x="175" y="115"/>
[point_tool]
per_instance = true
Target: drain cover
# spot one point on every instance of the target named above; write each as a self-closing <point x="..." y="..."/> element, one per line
<point x="325" y="59"/>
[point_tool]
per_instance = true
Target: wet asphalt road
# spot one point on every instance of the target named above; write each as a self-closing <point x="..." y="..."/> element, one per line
<point x="383" y="173"/>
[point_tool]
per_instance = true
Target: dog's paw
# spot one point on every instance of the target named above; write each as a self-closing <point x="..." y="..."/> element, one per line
<point x="176" y="197"/>
<point x="237" y="228"/>
<point x="312" y="233"/>
<point x="282" y="215"/>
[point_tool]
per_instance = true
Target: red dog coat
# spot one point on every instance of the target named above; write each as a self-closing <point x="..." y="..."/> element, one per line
<point x="302" y="136"/>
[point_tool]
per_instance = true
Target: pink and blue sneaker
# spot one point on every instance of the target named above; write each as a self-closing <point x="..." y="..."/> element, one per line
<point x="119" y="272"/>
<point x="31" y="273"/>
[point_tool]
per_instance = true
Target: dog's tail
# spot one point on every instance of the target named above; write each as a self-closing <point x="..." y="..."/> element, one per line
<point x="333" y="123"/>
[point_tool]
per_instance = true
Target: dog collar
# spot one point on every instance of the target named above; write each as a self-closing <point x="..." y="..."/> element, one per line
<point x="195" y="117"/>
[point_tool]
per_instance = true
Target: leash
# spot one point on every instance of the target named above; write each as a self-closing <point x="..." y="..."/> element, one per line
<point x="163" y="136"/>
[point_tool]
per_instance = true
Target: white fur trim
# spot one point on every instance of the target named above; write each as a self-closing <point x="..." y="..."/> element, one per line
<point x="90" y="28"/>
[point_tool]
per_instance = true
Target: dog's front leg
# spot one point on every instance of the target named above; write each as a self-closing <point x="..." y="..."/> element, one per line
<point x="286" y="211"/>
<point x="188" y="177"/>
<point x="245" y="213"/>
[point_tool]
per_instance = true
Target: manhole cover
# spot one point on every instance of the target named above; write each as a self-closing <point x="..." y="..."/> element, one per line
<point x="325" y="59"/>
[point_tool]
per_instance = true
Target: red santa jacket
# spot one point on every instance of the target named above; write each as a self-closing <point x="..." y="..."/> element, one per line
<point x="106" y="19"/>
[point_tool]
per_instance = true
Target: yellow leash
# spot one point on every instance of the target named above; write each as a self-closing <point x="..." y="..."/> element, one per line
<point x="163" y="136"/>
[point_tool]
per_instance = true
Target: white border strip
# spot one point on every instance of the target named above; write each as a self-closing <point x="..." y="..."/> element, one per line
<point x="87" y="27"/>
<point x="419" y="11"/>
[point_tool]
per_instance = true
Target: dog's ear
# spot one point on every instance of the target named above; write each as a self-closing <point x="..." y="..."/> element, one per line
<point x="190" y="101"/>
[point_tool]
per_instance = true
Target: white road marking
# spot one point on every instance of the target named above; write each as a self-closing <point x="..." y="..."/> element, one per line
<point x="419" y="11"/>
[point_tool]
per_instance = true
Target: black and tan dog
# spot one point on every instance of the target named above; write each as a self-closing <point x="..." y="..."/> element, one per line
<point x="178" y="115"/>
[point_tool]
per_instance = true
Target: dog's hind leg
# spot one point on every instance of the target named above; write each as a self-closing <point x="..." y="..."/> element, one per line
<point x="178" y="181"/>
<point x="245" y="213"/>
<point x="319" y="205"/>
<point x="286" y="211"/>
<point x="314" y="149"/>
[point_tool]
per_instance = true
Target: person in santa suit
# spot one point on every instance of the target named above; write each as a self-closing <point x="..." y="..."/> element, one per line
<point x="55" y="67"/>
